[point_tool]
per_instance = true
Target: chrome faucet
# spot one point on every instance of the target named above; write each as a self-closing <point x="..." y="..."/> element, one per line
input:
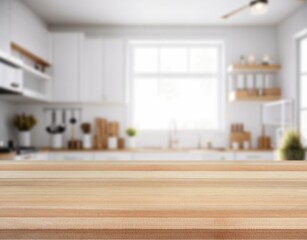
<point x="173" y="134"/>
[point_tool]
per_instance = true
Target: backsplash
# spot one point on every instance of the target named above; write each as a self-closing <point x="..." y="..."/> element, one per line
<point x="145" y="139"/>
<point x="40" y="137"/>
<point x="7" y="111"/>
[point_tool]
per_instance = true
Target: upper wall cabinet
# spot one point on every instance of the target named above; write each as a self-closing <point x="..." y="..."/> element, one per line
<point x="5" y="25"/>
<point x="114" y="70"/>
<point x="92" y="84"/>
<point x="28" y="31"/>
<point x="88" y="70"/>
<point x="104" y="71"/>
<point x="67" y="66"/>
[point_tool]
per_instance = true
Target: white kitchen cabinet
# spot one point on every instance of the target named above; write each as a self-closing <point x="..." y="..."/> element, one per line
<point x="28" y="30"/>
<point x="92" y="83"/>
<point x="11" y="78"/>
<point x="41" y="156"/>
<point x="5" y="25"/>
<point x="67" y="66"/>
<point x="104" y="71"/>
<point x="114" y="55"/>
<point x="74" y="156"/>
<point x="172" y="156"/>
<point x="212" y="156"/>
<point x="118" y="156"/>
<point x="254" y="156"/>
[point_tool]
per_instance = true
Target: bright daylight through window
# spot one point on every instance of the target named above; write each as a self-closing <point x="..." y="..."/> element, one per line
<point x="178" y="81"/>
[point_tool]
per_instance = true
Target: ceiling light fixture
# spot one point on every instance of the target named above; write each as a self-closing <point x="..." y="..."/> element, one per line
<point x="259" y="7"/>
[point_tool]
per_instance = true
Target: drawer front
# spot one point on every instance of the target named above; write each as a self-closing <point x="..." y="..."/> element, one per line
<point x="11" y="78"/>
<point x="41" y="156"/>
<point x="112" y="156"/>
<point x="254" y="156"/>
<point x="213" y="156"/>
<point x="168" y="156"/>
<point x="71" y="156"/>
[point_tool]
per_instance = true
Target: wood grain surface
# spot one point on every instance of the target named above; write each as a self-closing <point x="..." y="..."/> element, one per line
<point x="153" y="200"/>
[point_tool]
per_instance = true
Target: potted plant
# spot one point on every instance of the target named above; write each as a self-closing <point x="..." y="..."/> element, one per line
<point x="24" y="124"/>
<point x="291" y="147"/>
<point x="131" y="133"/>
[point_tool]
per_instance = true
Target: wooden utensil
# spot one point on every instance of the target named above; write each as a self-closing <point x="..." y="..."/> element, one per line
<point x="86" y="128"/>
<point x="72" y="142"/>
<point x="264" y="142"/>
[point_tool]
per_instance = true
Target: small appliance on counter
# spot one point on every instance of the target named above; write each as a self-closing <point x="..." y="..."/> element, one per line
<point x="23" y="153"/>
<point x="26" y="153"/>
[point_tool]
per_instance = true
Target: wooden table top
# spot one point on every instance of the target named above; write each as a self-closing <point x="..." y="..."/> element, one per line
<point x="153" y="200"/>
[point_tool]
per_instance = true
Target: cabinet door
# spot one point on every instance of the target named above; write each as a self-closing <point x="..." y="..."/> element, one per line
<point x="212" y="156"/>
<point x="41" y="156"/>
<point x="11" y="78"/>
<point x="5" y="26"/>
<point x="91" y="87"/>
<point x="171" y="156"/>
<point x="114" y="70"/>
<point x="113" y="156"/>
<point x="28" y="30"/>
<point x="75" y="156"/>
<point x="255" y="156"/>
<point x="67" y="55"/>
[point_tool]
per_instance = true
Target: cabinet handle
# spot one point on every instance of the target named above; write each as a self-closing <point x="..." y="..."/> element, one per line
<point x="15" y="85"/>
<point x="254" y="156"/>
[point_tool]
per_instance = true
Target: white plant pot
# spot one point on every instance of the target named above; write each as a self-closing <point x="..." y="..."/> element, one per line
<point x="24" y="139"/>
<point x="131" y="142"/>
<point x="112" y="143"/>
<point x="87" y="141"/>
<point x="56" y="141"/>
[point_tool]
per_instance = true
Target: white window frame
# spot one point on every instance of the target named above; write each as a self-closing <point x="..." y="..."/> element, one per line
<point x="132" y="43"/>
<point x="298" y="39"/>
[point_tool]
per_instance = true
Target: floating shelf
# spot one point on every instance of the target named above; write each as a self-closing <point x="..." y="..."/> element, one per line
<point x="35" y="72"/>
<point x="15" y="62"/>
<point x="30" y="55"/>
<point x="239" y="97"/>
<point x="29" y="93"/>
<point x="253" y="68"/>
<point x="27" y="96"/>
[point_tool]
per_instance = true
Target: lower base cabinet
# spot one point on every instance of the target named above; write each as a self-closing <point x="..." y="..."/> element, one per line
<point x="113" y="156"/>
<point x="213" y="156"/>
<point x="153" y="156"/>
<point x="255" y="156"/>
<point x="168" y="156"/>
<point x="75" y="156"/>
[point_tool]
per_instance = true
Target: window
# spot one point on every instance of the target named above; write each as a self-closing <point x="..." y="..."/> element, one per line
<point x="178" y="81"/>
<point x="303" y="87"/>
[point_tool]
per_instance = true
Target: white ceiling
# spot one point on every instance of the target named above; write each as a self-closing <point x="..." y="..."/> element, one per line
<point x="155" y="12"/>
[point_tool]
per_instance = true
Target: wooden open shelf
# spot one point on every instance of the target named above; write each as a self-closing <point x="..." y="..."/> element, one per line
<point x="253" y="68"/>
<point x="30" y="55"/>
<point x="239" y="97"/>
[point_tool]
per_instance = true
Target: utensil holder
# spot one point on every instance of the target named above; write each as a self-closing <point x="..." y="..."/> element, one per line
<point x="112" y="143"/>
<point x="87" y="141"/>
<point x="56" y="141"/>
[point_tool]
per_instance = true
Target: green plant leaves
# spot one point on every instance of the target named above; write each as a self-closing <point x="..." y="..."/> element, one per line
<point x="24" y="122"/>
<point x="292" y="147"/>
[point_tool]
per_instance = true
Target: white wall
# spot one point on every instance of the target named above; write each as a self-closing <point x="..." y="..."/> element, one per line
<point x="238" y="41"/>
<point x="286" y="48"/>
<point x="7" y="111"/>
